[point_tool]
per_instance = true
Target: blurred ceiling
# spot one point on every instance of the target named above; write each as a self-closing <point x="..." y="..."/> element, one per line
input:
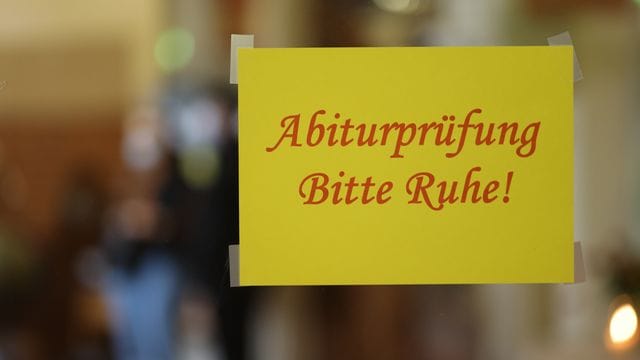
<point x="70" y="56"/>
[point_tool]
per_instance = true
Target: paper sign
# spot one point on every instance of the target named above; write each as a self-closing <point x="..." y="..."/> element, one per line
<point x="406" y="165"/>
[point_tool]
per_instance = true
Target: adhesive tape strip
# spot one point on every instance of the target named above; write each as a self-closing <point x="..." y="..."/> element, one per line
<point x="234" y="266"/>
<point x="564" y="38"/>
<point x="237" y="41"/>
<point x="579" y="272"/>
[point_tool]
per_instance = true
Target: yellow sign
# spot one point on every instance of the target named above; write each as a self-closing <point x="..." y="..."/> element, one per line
<point x="406" y="165"/>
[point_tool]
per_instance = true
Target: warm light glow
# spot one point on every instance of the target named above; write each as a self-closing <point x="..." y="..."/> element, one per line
<point x="623" y="324"/>
<point x="621" y="333"/>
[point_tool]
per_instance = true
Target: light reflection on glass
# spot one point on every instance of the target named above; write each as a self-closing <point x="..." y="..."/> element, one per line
<point x="622" y="328"/>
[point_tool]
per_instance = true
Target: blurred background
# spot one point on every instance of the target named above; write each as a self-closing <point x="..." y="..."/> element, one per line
<point x="118" y="183"/>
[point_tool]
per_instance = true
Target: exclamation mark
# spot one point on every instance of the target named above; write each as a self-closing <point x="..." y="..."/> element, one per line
<point x="505" y="198"/>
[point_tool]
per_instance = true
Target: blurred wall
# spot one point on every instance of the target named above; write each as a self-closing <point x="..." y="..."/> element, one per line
<point x="72" y="56"/>
<point x="70" y="70"/>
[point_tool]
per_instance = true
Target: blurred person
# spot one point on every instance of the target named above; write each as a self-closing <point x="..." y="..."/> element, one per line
<point x="142" y="282"/>
<point x="234" y="304"/>
<point x="203" y="133"/>
<point x="143" y="277"/>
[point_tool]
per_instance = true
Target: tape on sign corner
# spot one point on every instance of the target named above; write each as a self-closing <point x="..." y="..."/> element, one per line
<point x="564" y="38"/>
<point x="579" y="271"/>
<point x="234" y="268"/>
<point x="237" y="41"/>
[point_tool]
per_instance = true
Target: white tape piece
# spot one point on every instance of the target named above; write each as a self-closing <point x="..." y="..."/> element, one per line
<point x="234" y="265"/>
<point x="564" y="38"/>
<point x="579" y="272"/>
<point x="237" y="41"/>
